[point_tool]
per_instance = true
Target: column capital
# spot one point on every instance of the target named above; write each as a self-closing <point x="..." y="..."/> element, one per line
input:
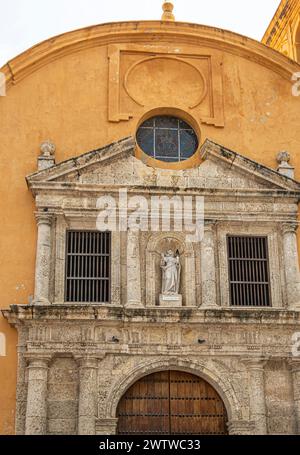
<point x="240" y="427"/>
<point x="294" y="364"/>
<point x="289" y="228"/>
<point x="255" y="363"/>
<point x="89" y="361"/>
<point x="37" y="360"/>
<point x="210" y="224"/>
<point x="44" y="218"/>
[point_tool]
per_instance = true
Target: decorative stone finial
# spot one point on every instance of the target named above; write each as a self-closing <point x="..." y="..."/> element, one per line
<point x="168" y="12"/>
<point x="46" y="158"/>
<point x="47" y="148"/>
<point x="284" y="168"/>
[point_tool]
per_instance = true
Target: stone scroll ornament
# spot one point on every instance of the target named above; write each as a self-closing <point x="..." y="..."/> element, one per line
<point x="171" y="270"/>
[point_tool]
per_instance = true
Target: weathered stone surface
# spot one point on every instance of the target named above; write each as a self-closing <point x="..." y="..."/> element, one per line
<point x="62" y="401"/>
<point x="82" y="358"/>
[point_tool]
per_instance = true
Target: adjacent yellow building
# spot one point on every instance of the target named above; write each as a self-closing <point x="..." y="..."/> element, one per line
<point x="283" y="33"/>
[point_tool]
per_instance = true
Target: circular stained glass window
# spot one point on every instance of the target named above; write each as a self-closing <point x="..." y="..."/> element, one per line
<point x="167" y="139"/>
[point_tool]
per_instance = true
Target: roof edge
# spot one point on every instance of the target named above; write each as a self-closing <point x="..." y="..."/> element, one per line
<point x="56" y="47"/>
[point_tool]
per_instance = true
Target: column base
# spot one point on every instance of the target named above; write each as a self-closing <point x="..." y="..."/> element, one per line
<point x="106" y="426"/>
<point x="209" y="307"/>
<point x="295" y="307"/>
<point x="41" y="301"/>
<point x="86" y="425"/>
<point x="241" y="427"/>
<point x="134" y="304"/>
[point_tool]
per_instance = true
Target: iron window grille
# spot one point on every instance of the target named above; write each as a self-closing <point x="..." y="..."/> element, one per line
<point x="249" y="278"/>
<point x="88" y="264"/>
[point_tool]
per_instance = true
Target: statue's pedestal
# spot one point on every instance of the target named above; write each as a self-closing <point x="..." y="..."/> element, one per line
<point x="170" y="300"/>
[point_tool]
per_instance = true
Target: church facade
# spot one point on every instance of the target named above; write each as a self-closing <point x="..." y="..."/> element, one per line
<point x="150" y="282"/>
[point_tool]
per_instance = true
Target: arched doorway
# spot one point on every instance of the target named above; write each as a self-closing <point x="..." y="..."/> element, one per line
<point x="171" y="402"/>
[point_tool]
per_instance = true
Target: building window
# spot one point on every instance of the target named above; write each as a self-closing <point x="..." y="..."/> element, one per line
<point x="249" y="271"/>
<point x="167" y="139"/>
<point x="88" y="267"/>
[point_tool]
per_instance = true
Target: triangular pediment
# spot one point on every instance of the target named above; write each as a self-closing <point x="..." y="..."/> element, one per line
<point x="222" y="164"/>
<point x="71" y="170"/>
<point x="116" y="165"/>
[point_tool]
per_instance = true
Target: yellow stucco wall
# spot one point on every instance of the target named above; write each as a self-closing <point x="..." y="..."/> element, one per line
<point x="64" y="89"/>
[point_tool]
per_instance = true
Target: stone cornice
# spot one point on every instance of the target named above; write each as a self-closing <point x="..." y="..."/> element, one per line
<point x="145" y="31"/>
<point x="64" y="312"/>
<point x="57" y="177"/>
<point x="97" y="189"/>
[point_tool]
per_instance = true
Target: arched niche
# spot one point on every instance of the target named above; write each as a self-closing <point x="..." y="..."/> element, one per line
<point x="160" y="243"/>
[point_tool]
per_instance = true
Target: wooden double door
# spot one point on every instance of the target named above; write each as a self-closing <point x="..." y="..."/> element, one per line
<point x="171" y="403"/>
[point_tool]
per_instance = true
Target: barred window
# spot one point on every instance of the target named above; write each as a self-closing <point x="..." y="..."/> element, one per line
<point x="249" y="271"/>
<point x="88" y="267"/>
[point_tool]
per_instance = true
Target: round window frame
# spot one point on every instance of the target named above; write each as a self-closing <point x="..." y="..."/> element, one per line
<point x="191" y="162"/>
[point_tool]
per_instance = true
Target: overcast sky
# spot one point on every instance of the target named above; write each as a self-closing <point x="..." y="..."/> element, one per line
<point x="27" y="22"/>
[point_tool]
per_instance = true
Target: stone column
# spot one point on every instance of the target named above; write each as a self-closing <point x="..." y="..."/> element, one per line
<point x="36" y="407"/>
<point x="257" y="400"/>
<point x="291" y="265"/>
<point x="208" y="267"/>
<point x="43" y="258"/>
<point x="134" y="298"/>
<point x="295" y="370"/>
<point x="87" y="407"/>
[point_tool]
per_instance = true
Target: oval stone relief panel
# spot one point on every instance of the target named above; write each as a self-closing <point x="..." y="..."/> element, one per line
<point x="167" y="81"/>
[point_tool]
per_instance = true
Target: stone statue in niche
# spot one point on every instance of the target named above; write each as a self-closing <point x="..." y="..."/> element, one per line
<point x="171" y="271"/>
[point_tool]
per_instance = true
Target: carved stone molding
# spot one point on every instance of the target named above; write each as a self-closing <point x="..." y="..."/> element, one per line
<point x="289" y="228"/>
<point x="44" y="218"/>
<point x="37" y="360"/>
<point x="255" y="363"/>
<point x="213" y="372"/>
<point x="294" y="364"/>
<point x="206" y="67"/>
<point x="88" y="360"/>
